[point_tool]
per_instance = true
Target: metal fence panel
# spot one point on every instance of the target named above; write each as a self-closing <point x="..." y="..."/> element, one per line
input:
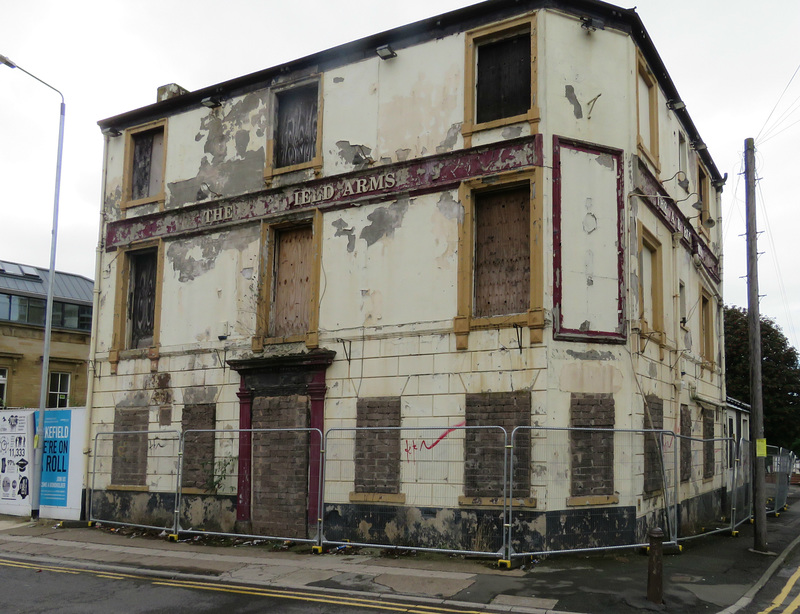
<point x="778" y="473"/>
<point x="278" y="499"/>
<point x="131" y="463"/>
<point x="587" y="489"/>
<point x="742" y="491"/>
<point x="437" y="488"/>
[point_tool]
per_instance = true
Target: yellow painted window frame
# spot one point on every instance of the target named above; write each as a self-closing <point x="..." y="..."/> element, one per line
<point x="653" y="330"/>
<point x="127" y="175"/>
<point x="270" y="170"/>
<point x="487" y="34"/>
<point x="119" y="344"/>
<point x="464" y="322"/>
<point x="706" y="327"/>
<point x="650" y="153"/>
<point x="266" y="277"/>
<point x="704" y="196"/>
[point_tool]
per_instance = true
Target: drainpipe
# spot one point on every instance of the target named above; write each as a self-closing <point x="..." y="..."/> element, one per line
<point x="92" y="367"/>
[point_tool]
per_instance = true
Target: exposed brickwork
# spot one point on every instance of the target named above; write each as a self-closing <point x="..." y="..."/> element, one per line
<point x="686" y="444"/>
<point x="484" y="453"/>
<point x="198" y="450"/>
<point x="653" y="419"/>
<point x="377" y="462"/>
<point x="592" y="451"/>
<point x="129" y="464"/>
<point x="708" y="445"/>
<point x="280" y="466"/>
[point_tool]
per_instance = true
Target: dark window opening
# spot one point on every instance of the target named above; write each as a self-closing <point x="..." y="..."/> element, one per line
<point x="58" y="392"/>
<point x="296" y="138"/>
<point x="141" y="299"/>
<point x="504" y="78"/>
<point x="148" y="163"/>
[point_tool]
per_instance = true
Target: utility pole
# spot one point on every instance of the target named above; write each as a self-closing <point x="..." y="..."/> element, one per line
<point x="758" y="445"/>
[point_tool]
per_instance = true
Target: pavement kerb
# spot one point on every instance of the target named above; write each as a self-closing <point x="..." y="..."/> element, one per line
<point x="748" y="596"/>
<point x="172" y="575"/>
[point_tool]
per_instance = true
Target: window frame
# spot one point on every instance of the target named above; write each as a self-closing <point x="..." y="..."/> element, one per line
<point x="706" y="327"/>
<point x="650" y="153"/>
<point x="648" y="240"/>
<point x="121" y="338"/>
<point x="3" y="387"/>
<point x="59" y="392"/>
<point x="127" y="177"/>
<point x="704" y="196"/>
<point x="270" y="168"/>
<point x="266" y="293"/>
<point x="465" y="321"/>
<point x="488" y="34"/>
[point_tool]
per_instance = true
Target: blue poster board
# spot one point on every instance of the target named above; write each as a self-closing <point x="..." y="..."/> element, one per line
<point x="55" y="457"/>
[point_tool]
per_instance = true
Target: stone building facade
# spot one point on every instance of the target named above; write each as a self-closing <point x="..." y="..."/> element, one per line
<point x="23" y="297"/>
<point x="484" y="219"/>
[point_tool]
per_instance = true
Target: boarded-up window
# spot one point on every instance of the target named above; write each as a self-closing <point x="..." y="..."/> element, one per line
<point x="296" y="138"/>
<point x="504" y="78"/>
<point x="141" y="298"/>
<point x="708" y="443"/>
<point x="592" y="449"/>
<point x="291" y="304"/>
<point x="484" y="446"/>
<point x="199" y="470"/>
<point x="148" y="164"/>
<point x="686" y="443"/>
<point x="129" y="461"/>
<point x="377" y="466"/>
<point x="653" y="420"/>
<point x="650" y="278"/>
<point x="502" y="252"/>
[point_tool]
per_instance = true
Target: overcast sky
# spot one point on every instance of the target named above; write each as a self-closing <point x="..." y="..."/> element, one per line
<point x="731" y="60"/>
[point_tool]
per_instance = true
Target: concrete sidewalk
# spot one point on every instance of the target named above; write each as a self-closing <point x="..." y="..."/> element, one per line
<point x="715" y="573"/>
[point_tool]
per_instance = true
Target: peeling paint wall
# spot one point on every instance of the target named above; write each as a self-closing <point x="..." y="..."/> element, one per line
<point x="379" y="266"/>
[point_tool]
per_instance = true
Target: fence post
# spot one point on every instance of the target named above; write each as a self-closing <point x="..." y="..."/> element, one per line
<point x="655" y="566"/>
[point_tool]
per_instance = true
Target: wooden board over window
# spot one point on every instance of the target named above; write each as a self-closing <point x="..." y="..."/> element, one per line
<point x="503" y="87"/>
<point x="293" y="282"/>
<point x="502" y="252"/>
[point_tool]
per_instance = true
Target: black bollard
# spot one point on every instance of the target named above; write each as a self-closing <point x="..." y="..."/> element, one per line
<point x="655" y="566"/>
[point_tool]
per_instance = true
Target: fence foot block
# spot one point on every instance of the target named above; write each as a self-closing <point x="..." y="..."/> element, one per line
<point x="173" y="537"/>
<point x="316" y="549"/>
<point x="503" y="563"/>
<point x="734" y="533"/>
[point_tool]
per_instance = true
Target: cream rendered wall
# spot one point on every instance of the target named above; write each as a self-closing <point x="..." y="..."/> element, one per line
<point x="394" y="264"/>
<point x="209" y="280"/>
<point x="350" y="114"/>
<point x="586" y="87"/>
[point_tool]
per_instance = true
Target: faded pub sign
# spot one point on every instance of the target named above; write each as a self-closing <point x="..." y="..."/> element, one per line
<point x="62" y="467"/>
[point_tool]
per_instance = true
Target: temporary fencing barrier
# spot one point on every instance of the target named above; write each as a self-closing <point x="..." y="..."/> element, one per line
<point x="476" y="490"/>
<point x="438" y="489"/>
<point x="581" y="472"/>
<point x="132" y="461"/>
<point x="778" y="470"/>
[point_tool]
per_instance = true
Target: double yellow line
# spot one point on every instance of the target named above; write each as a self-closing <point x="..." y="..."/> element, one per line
<point x="781" y="597"/>
<point x="375" y="604"/>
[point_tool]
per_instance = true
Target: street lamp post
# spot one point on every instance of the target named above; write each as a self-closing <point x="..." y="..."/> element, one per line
<point x="38" y="441"/>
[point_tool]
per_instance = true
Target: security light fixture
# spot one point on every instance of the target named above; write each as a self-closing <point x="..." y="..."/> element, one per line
<point x="385" y="52"/>
<point x="111" y="131"/>
<point x="676" y="105"/>
<point x="698" y="145"/>
<point x="211" y="102"/>
<point x="590" y="24"/>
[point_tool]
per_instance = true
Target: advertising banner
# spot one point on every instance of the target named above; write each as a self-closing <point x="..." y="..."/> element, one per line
<point x="16" y="455"/>
<point x="62" y="463"/>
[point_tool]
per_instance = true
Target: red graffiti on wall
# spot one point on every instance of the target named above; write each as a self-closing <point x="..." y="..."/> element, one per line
<point x="413" y="445"/>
